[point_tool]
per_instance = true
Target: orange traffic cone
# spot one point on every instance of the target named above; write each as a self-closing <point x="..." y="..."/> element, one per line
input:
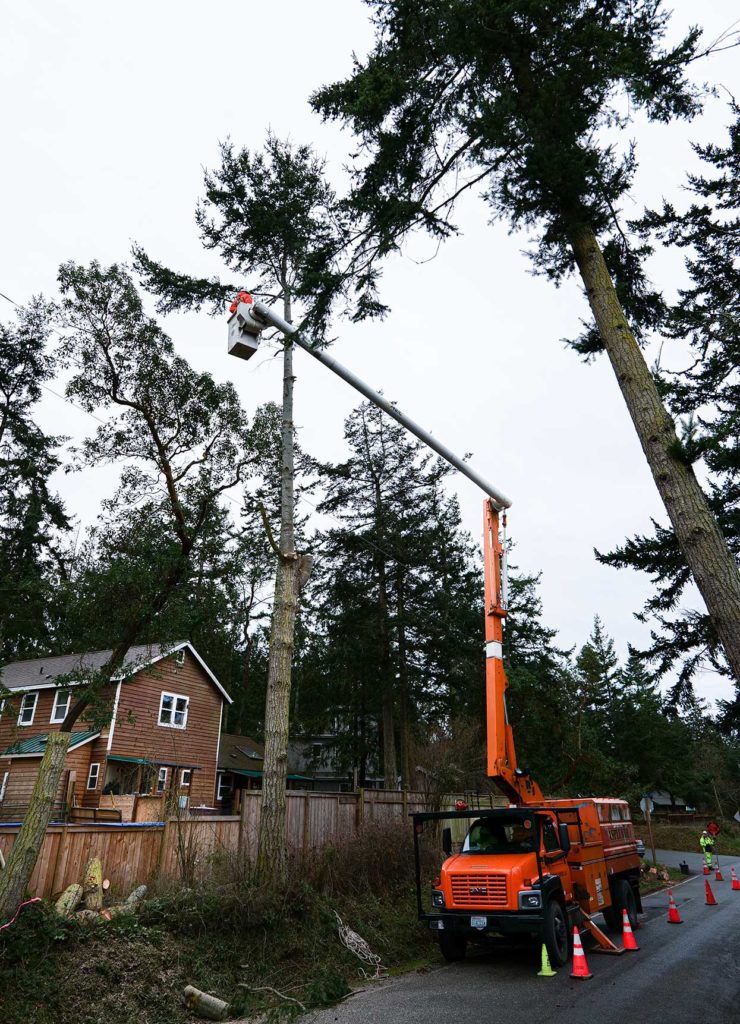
<point x="628" y="939"/>
<point x="706" y="868"/>
<point x="580" y="967"/>
<point x="735" y="883"/>
<point x="710" y="900"/>
<point x="673" y="915"/>
<point x="718" y="875"/>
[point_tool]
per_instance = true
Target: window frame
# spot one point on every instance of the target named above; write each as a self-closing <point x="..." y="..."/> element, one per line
<point x="4" y="785"/>
<point x="161" y="784"/>
<point x="173" y="711"/>
<point x="35" y="695"/>
<point x="54" y="720"/>
<point x="183" y="773"/>
<point x="96" y="765"/>
<point x="220" y="786"/>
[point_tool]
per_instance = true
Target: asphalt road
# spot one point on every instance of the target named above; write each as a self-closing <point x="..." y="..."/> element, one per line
<point x="685" y="974"/>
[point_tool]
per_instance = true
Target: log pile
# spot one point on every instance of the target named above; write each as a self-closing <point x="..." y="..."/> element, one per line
<point x="90" y="893"/>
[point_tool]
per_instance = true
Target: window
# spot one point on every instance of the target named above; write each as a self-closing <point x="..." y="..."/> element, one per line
<point x="28" y="709"/>
<point x="2" y="707"/>
<point x="225" y="786"/>
<point x="61" y="705"/>
<point x="161" y="780"/>
<point x="3" y="786"/>
<point x="550" y="836"/>
<point x="616" y="812"/>
<point x="93" y="775"/>
<point x="185" y="777"/>
<point x="173" y="710"/>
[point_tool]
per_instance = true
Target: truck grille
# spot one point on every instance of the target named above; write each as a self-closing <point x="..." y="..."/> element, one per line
<point x="479" y="890"/>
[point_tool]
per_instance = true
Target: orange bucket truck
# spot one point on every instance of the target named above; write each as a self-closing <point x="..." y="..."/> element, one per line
<point x="539" y="866"/>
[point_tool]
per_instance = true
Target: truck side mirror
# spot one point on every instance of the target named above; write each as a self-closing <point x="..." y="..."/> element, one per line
<point x="564" y="837"/>
<point x="447" y="841"/>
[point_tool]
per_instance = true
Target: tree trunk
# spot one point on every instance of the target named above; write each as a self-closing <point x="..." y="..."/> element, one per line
<point x="390" y="765"/>
<point x="17" y="873"/>
<point x="403" y="681"/>
<point x="699" y="537"/>
<point x="292" y="573"/>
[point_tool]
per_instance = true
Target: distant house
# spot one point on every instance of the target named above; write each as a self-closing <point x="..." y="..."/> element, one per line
<point x="317" y="757"/>
<point x="664" y="801"/>
<point x="162" y="738"/>
<point x="240" y="766"/>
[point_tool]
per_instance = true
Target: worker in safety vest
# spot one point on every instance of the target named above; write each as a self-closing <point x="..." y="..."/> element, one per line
<point x="707" y="846"/>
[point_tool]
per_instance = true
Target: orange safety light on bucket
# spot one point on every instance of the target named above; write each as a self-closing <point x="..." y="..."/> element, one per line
<point x="460" y="805"/>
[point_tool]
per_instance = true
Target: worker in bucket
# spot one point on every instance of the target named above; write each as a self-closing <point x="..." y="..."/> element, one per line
<point x="707" y="846"/>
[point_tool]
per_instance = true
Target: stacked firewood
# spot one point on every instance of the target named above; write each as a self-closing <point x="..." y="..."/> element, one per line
<point x="90" y="893"/>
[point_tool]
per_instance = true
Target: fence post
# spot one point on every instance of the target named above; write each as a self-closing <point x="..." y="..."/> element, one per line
<point x="162" y="847"/>
<point x="306" y="824"/>
<point x="242" y="826"/>
<point x="62" y="844"/>
<point x="360" y="809"/>
<point x="405" y="805"/>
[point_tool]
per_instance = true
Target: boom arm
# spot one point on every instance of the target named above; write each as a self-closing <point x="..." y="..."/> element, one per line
<point x="248" y="320"/>
<point x="502" y="765"/>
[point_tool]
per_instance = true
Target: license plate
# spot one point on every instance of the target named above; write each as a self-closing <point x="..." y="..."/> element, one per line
<point x="478" y="922"/>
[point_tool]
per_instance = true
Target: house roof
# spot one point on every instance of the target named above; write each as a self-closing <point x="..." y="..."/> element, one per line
<point x="240" y="753"/>
<point x="41" y="673"/>
<point x="34" y="746"/>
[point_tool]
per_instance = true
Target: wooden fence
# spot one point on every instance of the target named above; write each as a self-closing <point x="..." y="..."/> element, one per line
<point x="138" y="852"/>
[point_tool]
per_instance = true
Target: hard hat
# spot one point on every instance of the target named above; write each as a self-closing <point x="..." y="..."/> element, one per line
<point x="705" y="833"/>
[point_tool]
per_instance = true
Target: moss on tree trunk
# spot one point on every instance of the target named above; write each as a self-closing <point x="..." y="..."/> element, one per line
<point x="699" y="537"/>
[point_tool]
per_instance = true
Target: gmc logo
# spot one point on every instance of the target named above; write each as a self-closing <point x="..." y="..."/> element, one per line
<point x="478" y="890"/>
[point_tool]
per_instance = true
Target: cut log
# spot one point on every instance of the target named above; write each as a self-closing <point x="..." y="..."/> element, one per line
<point x="92" y="884"/>
<point x="134" y="898"/>
<point x="69" y="901"/>
<point x="204" y="1005"/>
<point x="106" y="884"/>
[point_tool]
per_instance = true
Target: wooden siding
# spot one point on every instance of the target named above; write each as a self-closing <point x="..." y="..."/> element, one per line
<point x="136" y="854"/>
<point x="136" y="733"/>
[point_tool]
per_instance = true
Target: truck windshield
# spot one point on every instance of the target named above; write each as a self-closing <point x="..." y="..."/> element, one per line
<point x="503" y="834"/>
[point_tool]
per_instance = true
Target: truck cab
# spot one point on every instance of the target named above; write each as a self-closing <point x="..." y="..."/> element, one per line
<point x="529" y="871"/>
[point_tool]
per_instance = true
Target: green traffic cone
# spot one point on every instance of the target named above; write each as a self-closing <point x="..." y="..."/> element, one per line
<point x="546" y="971"/>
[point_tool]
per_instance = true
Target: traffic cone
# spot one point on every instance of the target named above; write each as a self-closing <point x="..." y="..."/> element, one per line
<point x="706" y="868"/>
<point x="546" y="971"/>
<point x="628" y="938"/>
<point x="673" y="916"/>
<point x="580" y="967"/>
<point x="735" y="883"/>
<point x="710" y="900"/>
<point x="718" y="875"/>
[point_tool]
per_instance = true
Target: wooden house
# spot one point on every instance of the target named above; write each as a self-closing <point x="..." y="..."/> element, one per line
<point x="160" y="743"/>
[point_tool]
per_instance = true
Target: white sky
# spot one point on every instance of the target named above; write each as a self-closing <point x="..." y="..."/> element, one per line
<point x="111" y="112"/>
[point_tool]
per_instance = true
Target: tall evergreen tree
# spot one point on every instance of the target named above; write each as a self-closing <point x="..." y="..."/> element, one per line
<point x="512" y="98"/>
<point x="401" y="594"/>
<point x="705" y="396"/>
<point x="280" y="229"/>
<point x="32" y="518"/>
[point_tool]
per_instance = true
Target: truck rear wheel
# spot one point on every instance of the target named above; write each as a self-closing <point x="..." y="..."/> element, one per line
<point x="555" y="934"/>
<point x="452" y="945"/>
<point x="622" y="899"/>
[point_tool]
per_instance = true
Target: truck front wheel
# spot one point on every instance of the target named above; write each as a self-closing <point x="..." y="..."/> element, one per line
<point x="555" y="934"/>
<point x="452" y="945"/>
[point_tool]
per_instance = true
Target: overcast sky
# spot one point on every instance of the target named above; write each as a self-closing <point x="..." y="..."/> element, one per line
<point x="110" y="114"/>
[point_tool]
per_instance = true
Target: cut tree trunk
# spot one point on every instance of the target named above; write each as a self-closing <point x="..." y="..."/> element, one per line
<point x="698" y="535"/>
<point x="92" y="884"/>
<point x="291" y="575"/>
<point x="15" y="877"/>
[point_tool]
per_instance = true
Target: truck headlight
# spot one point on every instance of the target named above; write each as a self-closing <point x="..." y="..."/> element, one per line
<point x="438" y="898"/>
<point x="530" y="899"/>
